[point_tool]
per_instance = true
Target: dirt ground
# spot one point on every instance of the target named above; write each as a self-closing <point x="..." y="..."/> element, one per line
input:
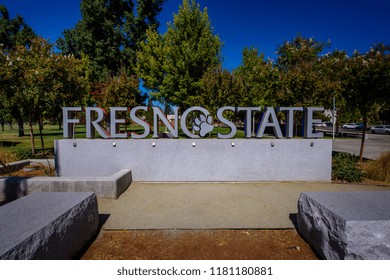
<point x="283" y="244"/>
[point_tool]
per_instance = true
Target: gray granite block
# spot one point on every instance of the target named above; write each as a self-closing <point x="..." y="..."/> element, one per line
<point x="112" y="186"/>
<point x="47" y="225"/>
<point x="346" y="225"/>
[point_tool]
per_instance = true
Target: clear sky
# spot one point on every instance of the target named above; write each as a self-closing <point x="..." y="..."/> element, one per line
<point x="265" y="25"/>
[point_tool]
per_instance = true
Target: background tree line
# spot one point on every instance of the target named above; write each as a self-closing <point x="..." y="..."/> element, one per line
<point x="116" y="46"/>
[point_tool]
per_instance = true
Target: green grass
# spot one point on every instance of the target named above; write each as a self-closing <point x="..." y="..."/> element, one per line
<point x="21" y="146"/>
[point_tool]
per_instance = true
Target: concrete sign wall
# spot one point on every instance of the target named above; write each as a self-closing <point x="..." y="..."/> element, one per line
<point x="196" y="160"/>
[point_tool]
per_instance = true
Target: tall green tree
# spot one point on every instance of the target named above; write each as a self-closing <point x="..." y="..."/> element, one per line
<point x="260" y="79"/>
<point x="13" y="32"/>
<point x="35" y="79"/>
<point x="369" y="84"/>
<point x="221" y="88"/>
<point x="302" y="80"/>
<point x="69" y="85"/>
<point x="300" y="50"/>
<point x="172" y="65"/>
<point x="109" y="34"/>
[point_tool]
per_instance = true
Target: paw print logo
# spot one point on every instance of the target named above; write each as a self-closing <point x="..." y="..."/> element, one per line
<point x="203" y="125"/>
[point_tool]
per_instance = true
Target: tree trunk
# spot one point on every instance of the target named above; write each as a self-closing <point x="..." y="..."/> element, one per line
<point x="31" y="134"/>
<point x="19" y="119"/>
<point x="59" y="121"/>
<point x="363" y="138"/>
<point x="41" y="135"/>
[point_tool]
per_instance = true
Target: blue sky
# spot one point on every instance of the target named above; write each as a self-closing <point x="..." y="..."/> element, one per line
<point x="349" y="25"/>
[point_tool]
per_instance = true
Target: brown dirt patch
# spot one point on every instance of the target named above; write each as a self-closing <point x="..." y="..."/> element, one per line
<point x="199" y="245"/>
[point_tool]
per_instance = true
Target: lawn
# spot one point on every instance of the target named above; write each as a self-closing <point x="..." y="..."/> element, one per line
<point x="21" y="146"/>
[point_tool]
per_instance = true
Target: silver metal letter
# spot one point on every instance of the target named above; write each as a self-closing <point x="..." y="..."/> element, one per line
<point x="269" y="112"/>
<point x="137" y="120"/>
<point x="248" y="119"/>
<point x="69" y="120"/>
<point x="221" y="118"/>
<point x="158" y="114"/>
<point x="309" y="121"/>
<point x="93" y="123"/>
<point x="115" y="123"/>
<point x="290" y="119"/>
<point x="183" y="121"/>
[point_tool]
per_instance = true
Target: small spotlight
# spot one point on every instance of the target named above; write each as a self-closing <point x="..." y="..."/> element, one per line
<point x="113" y="144"/>
<point x="311" y="144"/>
<point x="153" y="144"/>
<point x="233" y="144"/>
<point x="193" y="144"/>
<point x="272" y="144"/>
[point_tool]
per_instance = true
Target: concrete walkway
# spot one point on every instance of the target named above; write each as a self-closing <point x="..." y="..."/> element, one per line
<point x="211" y="205"/>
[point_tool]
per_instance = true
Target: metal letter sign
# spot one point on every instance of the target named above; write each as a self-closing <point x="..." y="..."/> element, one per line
<point x="202" y="125"/>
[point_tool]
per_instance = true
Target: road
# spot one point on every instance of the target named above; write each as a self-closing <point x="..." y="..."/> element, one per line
<point x="374" y="146"/>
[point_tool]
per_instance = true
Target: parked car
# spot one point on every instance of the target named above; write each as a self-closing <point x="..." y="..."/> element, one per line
<point x="320" y="124"/>
<point x="350" y="126"/>
<point x="381" y="129"/>
<point x="360" y="126"/>
<point x="329" y="124"/>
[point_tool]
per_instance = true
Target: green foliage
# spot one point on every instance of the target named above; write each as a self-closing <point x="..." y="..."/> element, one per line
<point x="109" y="33"/>
<point x="172" y="65"/>
<point x="14" y="32"/>
<point x="298" y="51"/>
<point x="220" y="87"/>
<point x="345" y="168"/>
<point x="36" y="81"/>
<point x="260" y="79"/>
<point x="121" y="91"/>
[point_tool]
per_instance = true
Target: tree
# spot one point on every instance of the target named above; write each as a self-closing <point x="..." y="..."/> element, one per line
<point x="109" y="34"/>
<point x="300" y="50"/>
<point x="369" y="84"/>
<point x="35" y="79"/>
<point x="121" y="91"/>
<point x="260" y="79"/>
<point x="221" y="88"/>
<point x="172" y="65"/>
<point x="333" y="69"/>
<point x="303" y="79"/>
<point x="13" y="32"/>
<point x="69" y="85"/>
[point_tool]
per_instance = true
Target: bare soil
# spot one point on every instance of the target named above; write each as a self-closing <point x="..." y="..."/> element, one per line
<point x="284" y="244"/>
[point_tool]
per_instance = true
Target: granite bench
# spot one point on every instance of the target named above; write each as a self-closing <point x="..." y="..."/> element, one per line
<point x="47" y="225"/>
<point x="346" y="225"/>
<point x="105" y="187"/>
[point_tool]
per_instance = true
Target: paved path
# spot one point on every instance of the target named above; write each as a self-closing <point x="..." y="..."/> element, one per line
<point x="211" y="205"/>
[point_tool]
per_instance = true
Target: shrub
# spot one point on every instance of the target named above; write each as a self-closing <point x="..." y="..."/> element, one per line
<point x="379" y="170"/>
<point x="345" y="168"/>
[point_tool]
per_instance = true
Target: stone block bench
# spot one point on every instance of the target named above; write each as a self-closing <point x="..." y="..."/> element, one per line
<point x="47" y="226"/>
<point x="346" y="225"/>
<point x="104" y="187"/>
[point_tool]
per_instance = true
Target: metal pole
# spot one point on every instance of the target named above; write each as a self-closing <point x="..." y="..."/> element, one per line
<point x="333" y="115"/>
